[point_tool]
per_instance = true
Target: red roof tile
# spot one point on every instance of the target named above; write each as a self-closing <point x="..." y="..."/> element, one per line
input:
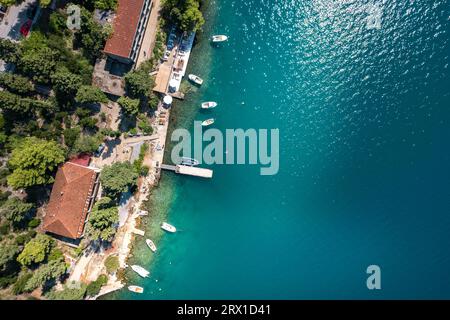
<point x="124" y="28"/>
<point x="82" y="159"/>
<point x="69" y="201"/>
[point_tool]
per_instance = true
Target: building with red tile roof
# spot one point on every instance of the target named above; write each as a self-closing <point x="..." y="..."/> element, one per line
<point x="128" y="30"/>
<point x="71" y="200"/>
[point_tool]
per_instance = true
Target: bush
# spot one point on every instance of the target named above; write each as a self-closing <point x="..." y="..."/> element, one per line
<point x="144" y="125"/>
<point x="4" y="196"/>
<point x="4" y="229"/>
<point x="33" y="223"/>
<point x="94" y="287"/>
<point x="70" y="136"/>
<point x="112" y="264"/>
<point x="73" y="291"/>
<point x="7" y="281"/>
<point x="55" y="254"/>
<point x="110" y="133"/>
<point x="128" y="105"/>
<point x="19" y="286"/>
<point x="22" y="239"/>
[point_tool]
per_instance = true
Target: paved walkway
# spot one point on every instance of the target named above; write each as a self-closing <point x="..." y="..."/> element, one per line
<point x="150" y="33"/>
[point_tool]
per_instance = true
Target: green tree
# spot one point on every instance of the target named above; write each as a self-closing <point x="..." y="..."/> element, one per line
<point x="103" y="220"/>
<point x="73" y="291"/>
<point x="139" y="84"/>
<point x="71" y="135"/>
<point x="38" y="63"/>
<point x="130" y="106"/>
<point x="9" y="51"/>
<point x="191" y="19"/>
<point x="94" y="287"/>
<point x="11" y="101"/>
<point x="3" y="135"/>
<point x="36" y="251"/>
<point x="65" y="82"/>
<point x="118" y="178"/>
<point x="34" y="105"/>
<point x="33" y="161"/>
<point x="184" y="13"/>
<point x="46" y="272"/>
<point x="19" y="286"/>
<point x="112" y="264"/>
<point x="16" y="211"/>
<point x="8" y="253"/>
<point x="58" y="23"/>
<point x="16" y="83"/>
<point x="87" y="144"/>
<point x="92" y="36"/>
<point x="90" y="95"/>
<point x="105" y="4"/>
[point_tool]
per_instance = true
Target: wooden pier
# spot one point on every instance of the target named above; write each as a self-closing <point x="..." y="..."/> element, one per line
<point x="188" y="170"/>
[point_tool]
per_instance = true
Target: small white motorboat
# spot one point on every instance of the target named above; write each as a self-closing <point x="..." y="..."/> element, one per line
<point x="136" y="289"/>
<point x="185" y="161"/>
<point x="140" y="271"/>
<point x="208" y="122"/>
<point x="195" y="79"/>
<point x="209" y="105"/>
<point x="151" y="245"/>
<point x="219" y="38"/>
<point x="168" y="227"/>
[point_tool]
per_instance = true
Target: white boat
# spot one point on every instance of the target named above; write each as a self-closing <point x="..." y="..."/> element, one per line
<point x="151" y="245"/>
<point x="140" y="271"/>
<point x="208" y="122"/>
<point x="209" y="105"/>
<point x="219" y="38"/>
<point x="195" y="79"/>
<point x="136" y="289"/>
<point x="168" y="227"/>
<point x="189" y="161"/>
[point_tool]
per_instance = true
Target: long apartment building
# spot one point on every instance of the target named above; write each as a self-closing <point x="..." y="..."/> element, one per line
<point x="128" y="30"/>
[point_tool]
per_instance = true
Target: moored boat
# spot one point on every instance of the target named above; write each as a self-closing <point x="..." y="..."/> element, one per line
<point x="189" y="161"/>
<point x="219" y="38"/>
<point x="208" y="122"/>
<point x="151" y="245"/>
<point x="195" y="79"/>
<point x="136" y="289"/>
<point x="140" y="271"/>
<point x="209" y="105"/>
<point x="168" y="227"/>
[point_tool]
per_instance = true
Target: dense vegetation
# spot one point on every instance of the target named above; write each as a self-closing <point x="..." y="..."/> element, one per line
<point x="49" y="113"/>
<point x="185" y="14"/>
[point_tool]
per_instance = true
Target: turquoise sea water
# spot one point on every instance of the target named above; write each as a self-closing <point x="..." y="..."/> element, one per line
<point x="364" y="176"/>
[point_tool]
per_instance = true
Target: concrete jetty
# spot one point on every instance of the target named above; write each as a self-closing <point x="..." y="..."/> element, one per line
<point x="188" y="170"/>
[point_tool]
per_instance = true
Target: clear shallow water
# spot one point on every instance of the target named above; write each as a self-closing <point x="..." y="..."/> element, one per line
<point x="364" y="178"/>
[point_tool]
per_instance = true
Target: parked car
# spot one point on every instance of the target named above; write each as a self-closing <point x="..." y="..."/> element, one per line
<point x="3" y="8"/>
<point x="25" y="28"/>
<point x="100" y="150"/>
